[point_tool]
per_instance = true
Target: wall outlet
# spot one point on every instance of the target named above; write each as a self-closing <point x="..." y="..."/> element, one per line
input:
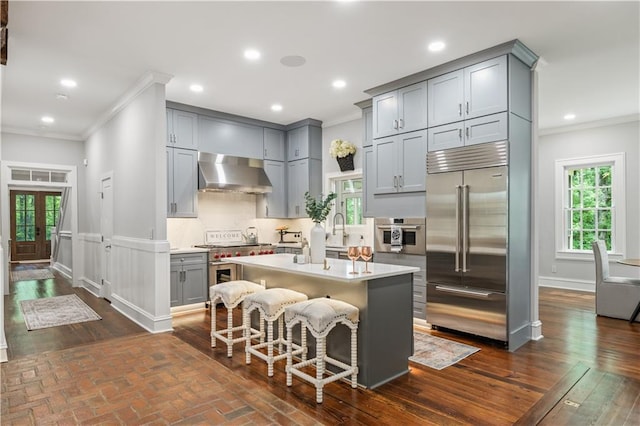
<point x="554" y="268"/>
<point x="263" y="283"/>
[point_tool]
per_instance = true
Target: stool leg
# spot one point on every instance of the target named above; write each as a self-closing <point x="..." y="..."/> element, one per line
<point x="213" y="323"/>
<point x="320" y="352"/>
<point x="261" y="329"/>
<point x="246" y="322"/>
<point x="269" y="348"/>
<point x="303" y="340"/>
<point x="354" y="357"/>
<point x="229" y="332"/>
<point x="280" y="333"/>
<point x="289" y="356"/>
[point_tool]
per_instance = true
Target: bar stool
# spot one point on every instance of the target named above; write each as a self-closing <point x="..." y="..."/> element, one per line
<point x="320" y="316"/>
<point x="231" y="293"/>
<point x="270" y="304"/>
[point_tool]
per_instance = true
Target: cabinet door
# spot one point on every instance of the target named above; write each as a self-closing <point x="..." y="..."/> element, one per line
<point x="298" y="184"/>
<point x="185" y="126"/>
<point x="412" y="108"/>
<point x="194" y="286"/>
<point x="367" y="132"/>
<point x="486" y="129"/>
<point x="368" y="182"/>
<point x="231" y="138"/>
<point x="185" y="183"/>
<point x="273" y="144"/>
<point x="175" y="286"/>
<point x="169" y="127"/>
<point x="386" y="164"/>
<point x="445" y="98"/>
<point x="412" y="170"/>
<point x="445" y="137"/>
<point x="170" y="181"/>
<point x="273" y="204"/>
<point x="298" y="143"/>
<point x="485" y="88"/>
<point x="385" y="115"/>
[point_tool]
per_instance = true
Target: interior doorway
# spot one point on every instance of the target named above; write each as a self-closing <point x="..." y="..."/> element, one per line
<point x="33" y="215"/>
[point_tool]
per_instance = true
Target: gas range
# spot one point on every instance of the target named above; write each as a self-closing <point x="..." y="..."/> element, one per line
<point x="219" y="252"/>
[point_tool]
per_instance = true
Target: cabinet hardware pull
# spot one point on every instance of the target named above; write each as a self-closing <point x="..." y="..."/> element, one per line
<point x="395" y="181"/>
<point x="400" y="181"/>
<point x="460" y="134"/>
<point x="467" y="132"/>
<point x="395" y="124"/>
<point x="460" y="110"/>
<point x="467" y="107"/>
<point x="457" y="257"/>
<point x="401" y="121"/>
<point x="265" y="152"/>
<point x="266" y="210"/>
<point x="465" y="226"/>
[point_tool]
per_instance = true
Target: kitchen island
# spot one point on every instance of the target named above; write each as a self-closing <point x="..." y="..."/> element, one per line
<point x="384" y="298"/>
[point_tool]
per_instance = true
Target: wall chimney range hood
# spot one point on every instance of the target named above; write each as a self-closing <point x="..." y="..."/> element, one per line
<point x="219" y="172"/>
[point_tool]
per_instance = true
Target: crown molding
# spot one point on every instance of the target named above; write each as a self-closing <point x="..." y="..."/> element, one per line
<point x="344" y="119"/>
<point x="590" y="124"/>
<point x="146" y="81"/>
<point x="51" y="135"/>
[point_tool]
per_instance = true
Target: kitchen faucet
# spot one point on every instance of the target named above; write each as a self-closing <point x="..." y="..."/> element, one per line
<point x="344" y="228"/>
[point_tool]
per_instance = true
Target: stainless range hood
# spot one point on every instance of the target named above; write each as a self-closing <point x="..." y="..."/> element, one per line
<point x="219" y="172"/>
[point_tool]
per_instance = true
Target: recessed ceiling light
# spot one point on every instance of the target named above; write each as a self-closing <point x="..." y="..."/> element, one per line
<point x="67" y="82"/>
<point x="196" y="88"/>
<point x="339" y="84"/>
<point x="276" y="107"/>
<point x="47" y="119"/>
<point x="293" y="61"/>
<point x="569" y="116"/>
<point x="252" y="54"/>
<point x="61" y="96"/>
<point x="436" y="46"/>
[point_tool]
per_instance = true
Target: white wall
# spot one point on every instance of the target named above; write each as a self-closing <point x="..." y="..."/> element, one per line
<point x="605" y="139"/>
<point x="131" y="147"/>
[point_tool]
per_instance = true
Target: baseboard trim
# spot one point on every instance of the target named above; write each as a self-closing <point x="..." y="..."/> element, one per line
<point x="142" y="318"/>
<point x="536" y="330"/>
<point x="64" y="270"/>
<point x="90" y="286"/>
<point x="3" y="355"/>
<point x="567" y="284"/>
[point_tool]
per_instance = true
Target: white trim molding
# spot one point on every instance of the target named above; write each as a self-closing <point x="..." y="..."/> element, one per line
<point x="618" y="211"/>
<point x="568" y="284"/>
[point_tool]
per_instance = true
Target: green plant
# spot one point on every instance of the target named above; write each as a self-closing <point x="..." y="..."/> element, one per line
<point x="318" y="210"/>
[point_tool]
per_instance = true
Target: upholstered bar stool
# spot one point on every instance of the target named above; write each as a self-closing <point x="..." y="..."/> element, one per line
<point x="320" y="316"/>
<point x="270" y="304"/>
<point x="231" y="293"/>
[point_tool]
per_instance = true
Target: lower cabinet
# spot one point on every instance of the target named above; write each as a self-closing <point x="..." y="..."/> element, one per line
<point x="419" y="278"/>
<point x="188" y="278"/>
<point x="289" y="250"/>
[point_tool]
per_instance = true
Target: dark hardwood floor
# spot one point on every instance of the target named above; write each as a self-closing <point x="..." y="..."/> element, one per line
<point x="586" y="369"/>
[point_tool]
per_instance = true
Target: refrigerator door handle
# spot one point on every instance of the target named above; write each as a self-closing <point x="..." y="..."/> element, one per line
<point x="465" y="226"/>
<point x="476" y="294"/>
<point x="457" y="257"/>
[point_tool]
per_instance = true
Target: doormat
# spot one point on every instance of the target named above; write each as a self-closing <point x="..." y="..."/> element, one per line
<point x="31" y="274"/>
<point x="55" y="311"/>
<point x="438" y="353"/>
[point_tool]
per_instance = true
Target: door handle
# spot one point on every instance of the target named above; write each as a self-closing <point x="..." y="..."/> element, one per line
<point x="476" y="294"/>
<point x="457" y="257"/>
<point x="401" y="123"/>
<point x="108" y="246"/>
<point x="460" y="110"/>
<point x="395" y="124"/>
<point x="37" y="231"/>
<point x="465" y="226"/>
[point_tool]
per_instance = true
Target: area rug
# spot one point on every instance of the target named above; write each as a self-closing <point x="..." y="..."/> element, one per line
<point x="31" y="274"/>
<point x="55" y="311"/>
<point x="438" y="353"/>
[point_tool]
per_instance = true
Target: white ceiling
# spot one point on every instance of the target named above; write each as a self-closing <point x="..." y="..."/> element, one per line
<point x="590" y="60"/>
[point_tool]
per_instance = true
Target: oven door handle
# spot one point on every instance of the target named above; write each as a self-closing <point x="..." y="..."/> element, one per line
<point x="400" y="226"/>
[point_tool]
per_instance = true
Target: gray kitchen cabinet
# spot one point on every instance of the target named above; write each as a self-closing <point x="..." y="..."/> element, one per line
<point x="367" y="132"/>
<point x="302" y="176"/>
<point x="182" y="182"/>
<point x="188" y="278"/>
<point x="182" y="129"/>
<point x="490" y="128"/>
<point x="304" y="142"/>
<point x="401" y="111"/>
<point x="289" y="250"/>
<point x="419" y="278"/>
<point x="273" y="204"/>
<point x="399" y="163"/>
<point x="368" y="182"/>
<point x="230" y="138"/>
<point x="273" y="144"/>
<point x="474" y="91"/>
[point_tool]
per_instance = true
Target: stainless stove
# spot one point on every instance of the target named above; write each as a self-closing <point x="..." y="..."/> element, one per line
<point x="218" y="252"/>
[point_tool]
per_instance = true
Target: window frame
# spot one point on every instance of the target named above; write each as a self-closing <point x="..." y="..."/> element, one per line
<point x="618" y="204"/>
<point x="331" y="183"/>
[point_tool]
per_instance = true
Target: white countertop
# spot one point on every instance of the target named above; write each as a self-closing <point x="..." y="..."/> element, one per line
<point x="339" y="269"/>
<point x="188" y="250"/>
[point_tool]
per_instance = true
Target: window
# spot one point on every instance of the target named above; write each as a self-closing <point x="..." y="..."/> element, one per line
<point x="349" y="200"/>
<point x="590" y="193"/>
<point x="52" y="213"/>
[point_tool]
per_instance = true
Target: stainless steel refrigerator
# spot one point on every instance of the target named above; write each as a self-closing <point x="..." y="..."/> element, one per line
<point x="467" y="233"/>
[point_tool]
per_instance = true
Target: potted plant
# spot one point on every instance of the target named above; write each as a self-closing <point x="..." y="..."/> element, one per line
<point x="343" y="152"/>
<point x="318" y="210"/>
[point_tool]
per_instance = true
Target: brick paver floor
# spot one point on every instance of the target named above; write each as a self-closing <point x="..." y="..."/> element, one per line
<point x="149" y="379"/>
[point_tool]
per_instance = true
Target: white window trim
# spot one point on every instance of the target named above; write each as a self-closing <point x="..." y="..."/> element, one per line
<point x="330" y="186"/>
<point x="618" y="195"/>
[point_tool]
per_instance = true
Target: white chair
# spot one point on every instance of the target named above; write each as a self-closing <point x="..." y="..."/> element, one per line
<point x="320" y="316"/>
<point x="231" y="293"/>
<point x="616" y="297"/>
<point x="270" y="304"/>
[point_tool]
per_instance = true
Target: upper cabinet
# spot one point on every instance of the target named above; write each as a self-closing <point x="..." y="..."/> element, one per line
<point x="489" y="128"/>
<point x="302" y="176"/>
<point x="472" y="92"/>
<point x="401" y="111"/>
<point x="273" y="204"/>
<point x="273" y="144"/>
<point x="367" y="132"/>
<point x="182" y="129"/>
<point x="304" y="142"/>
<point x="399" y="163"/>
<point x="182" y="182"/>
<point x="229" y="137"/>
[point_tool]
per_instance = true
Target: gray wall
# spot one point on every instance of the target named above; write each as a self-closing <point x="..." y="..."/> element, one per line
<point x="607" y="139"/>
<point x="349" y="130"/>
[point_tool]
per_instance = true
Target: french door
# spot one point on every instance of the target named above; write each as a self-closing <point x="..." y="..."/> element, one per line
<point x="33" y="215"/>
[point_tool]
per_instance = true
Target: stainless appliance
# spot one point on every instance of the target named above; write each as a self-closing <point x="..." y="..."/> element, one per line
<point x="226" y="244"/>
<point x="466" y="239"/>
<point x="219" y="172"/>
<point x="399" y="235"/>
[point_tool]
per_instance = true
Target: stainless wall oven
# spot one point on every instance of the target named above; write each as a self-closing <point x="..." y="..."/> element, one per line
<point x="400" y="235"/>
